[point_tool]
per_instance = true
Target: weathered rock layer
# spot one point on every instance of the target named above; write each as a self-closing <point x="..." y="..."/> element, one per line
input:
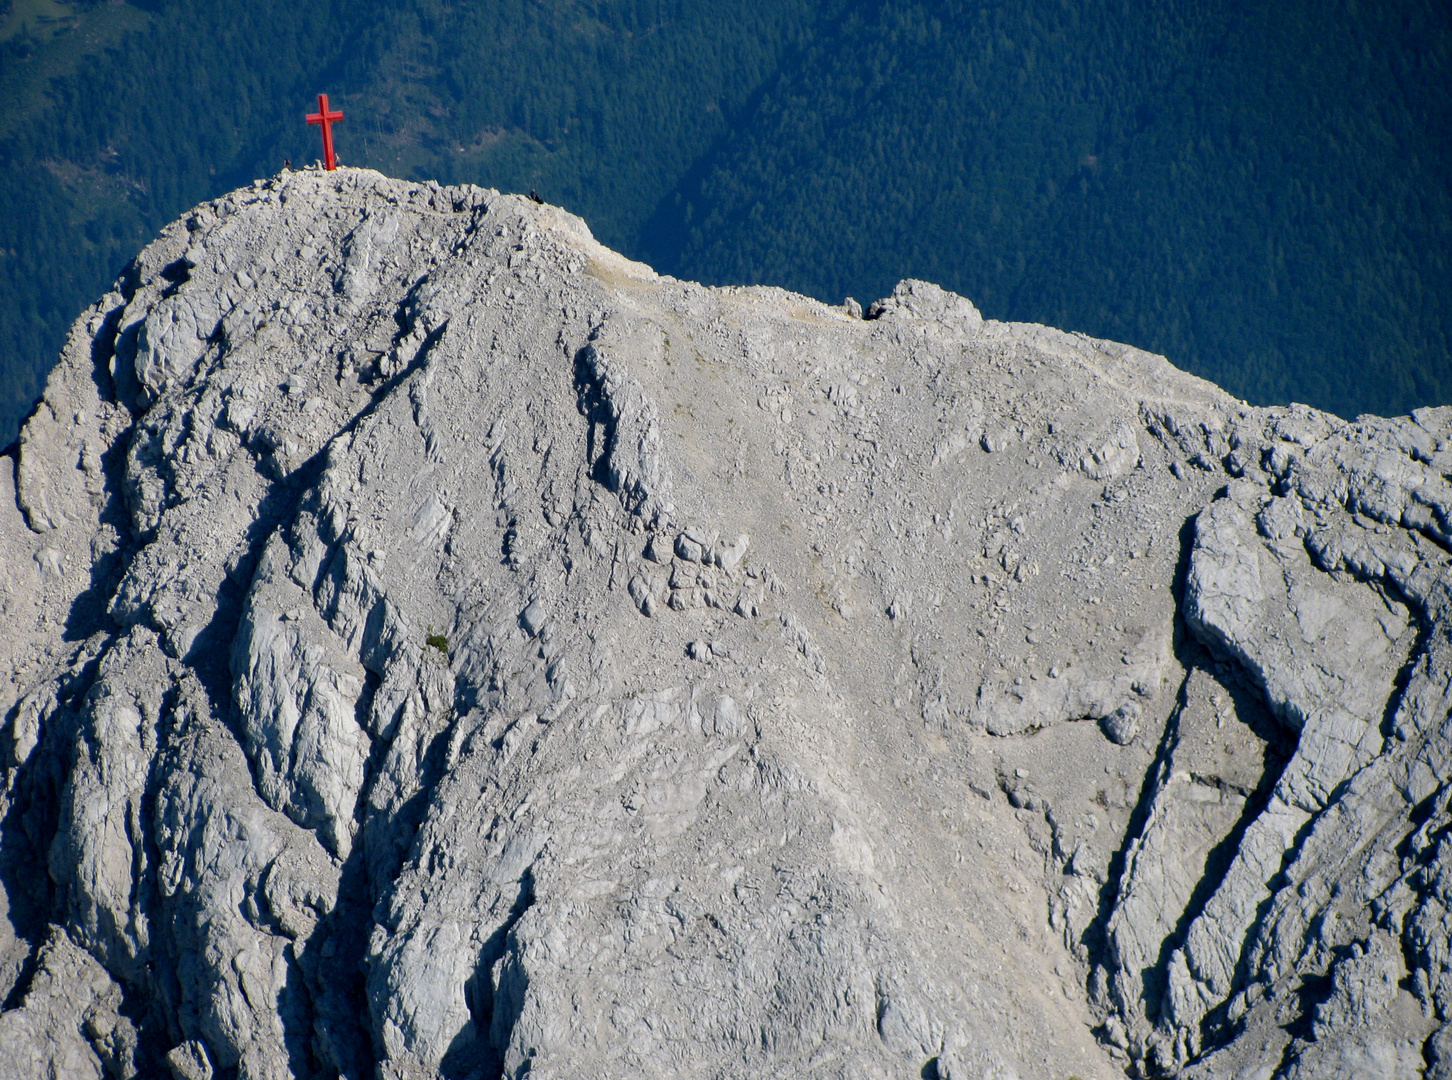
<point x="438" y="646"/>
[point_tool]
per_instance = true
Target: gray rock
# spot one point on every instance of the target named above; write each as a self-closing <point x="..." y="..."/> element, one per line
<point x="189" y="1061"/>
<point x="1122" y="725"/>
<point x="68" y="1023"/>
<point x="384" y="694"/>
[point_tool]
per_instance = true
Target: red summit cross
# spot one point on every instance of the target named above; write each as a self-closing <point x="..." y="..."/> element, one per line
<point x="327" y="120"/>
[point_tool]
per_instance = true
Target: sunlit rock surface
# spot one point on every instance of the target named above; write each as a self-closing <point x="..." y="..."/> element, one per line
<point x="438" y="646"/>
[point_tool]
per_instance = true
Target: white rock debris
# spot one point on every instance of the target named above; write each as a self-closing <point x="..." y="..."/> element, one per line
<point x="439" y="646"/>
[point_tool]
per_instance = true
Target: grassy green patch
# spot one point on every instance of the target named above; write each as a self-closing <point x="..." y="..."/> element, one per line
<point x="39" y="19"/>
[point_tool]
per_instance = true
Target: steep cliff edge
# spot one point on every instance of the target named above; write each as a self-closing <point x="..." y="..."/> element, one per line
<point x="438" y="646"/>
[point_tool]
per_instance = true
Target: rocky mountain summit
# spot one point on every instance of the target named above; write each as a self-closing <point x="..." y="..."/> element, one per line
<point x="438" y="646"/>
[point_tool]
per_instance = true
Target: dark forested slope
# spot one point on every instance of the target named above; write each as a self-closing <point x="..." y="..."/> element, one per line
<point x="1261" y="191"/>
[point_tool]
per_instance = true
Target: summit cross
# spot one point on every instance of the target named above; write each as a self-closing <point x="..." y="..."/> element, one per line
<point x="327" y="120"/>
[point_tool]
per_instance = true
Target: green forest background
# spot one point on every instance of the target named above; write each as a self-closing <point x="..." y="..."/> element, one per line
<point x="1260" y="190"/>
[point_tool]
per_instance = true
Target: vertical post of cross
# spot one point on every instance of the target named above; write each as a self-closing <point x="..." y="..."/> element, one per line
<point x="326" y="119"/>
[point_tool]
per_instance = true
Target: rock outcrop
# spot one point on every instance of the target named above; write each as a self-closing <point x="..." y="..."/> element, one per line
<point x="438" y="646"/>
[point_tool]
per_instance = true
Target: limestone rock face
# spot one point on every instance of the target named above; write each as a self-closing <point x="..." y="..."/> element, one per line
<point x="438" y="646"/>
